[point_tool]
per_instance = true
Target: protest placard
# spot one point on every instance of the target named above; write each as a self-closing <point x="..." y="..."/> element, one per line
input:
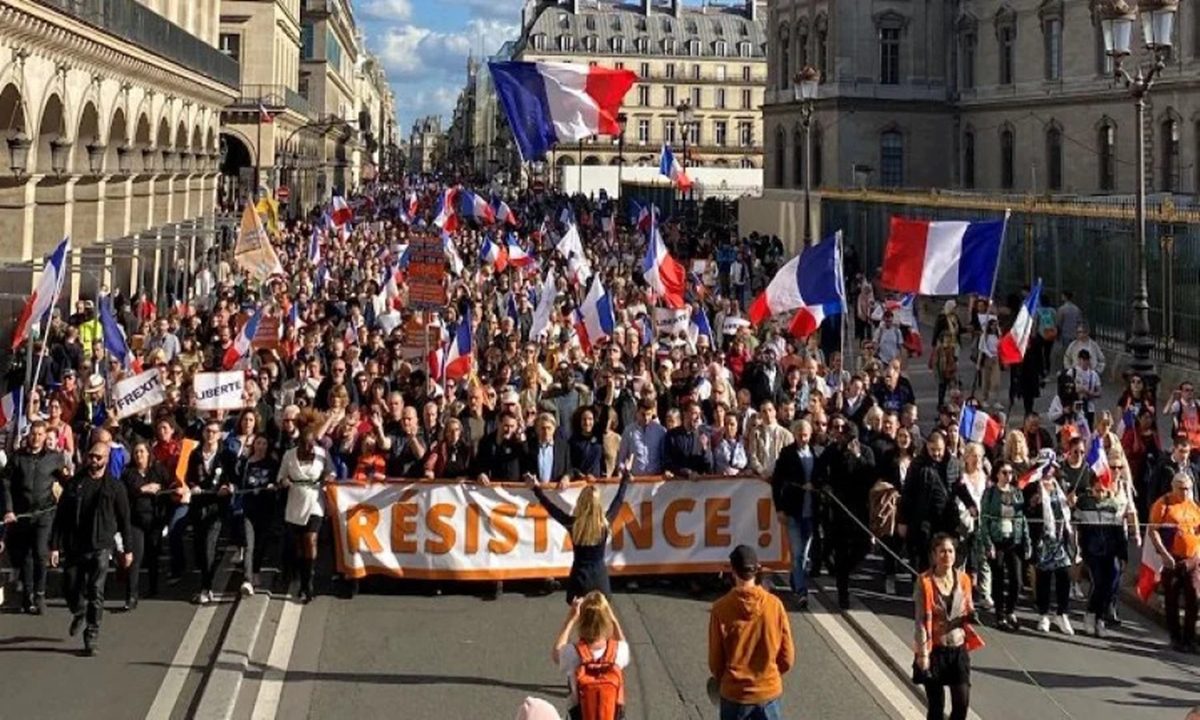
<point x="219" y="390"/>
<point x="426" y="273"/>
<point x="671" y="322"/>
<point x="137" y="394"/>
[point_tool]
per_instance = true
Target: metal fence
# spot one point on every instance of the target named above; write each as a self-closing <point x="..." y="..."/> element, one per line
<point x="1084" y="247"/>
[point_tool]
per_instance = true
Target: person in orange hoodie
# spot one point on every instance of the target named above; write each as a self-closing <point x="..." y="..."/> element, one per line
<point x="749" y="645"/>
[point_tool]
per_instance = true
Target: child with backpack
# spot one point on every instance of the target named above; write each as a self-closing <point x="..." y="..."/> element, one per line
<point x="594" y="664"/>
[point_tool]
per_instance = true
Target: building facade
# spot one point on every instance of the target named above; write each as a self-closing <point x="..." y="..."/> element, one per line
<point x="709" y="56"/>
<point x="989" y="95"/>
<point x="426" y="145"/>
<point x="331" y="47"/>
<point x="111" y="124"/>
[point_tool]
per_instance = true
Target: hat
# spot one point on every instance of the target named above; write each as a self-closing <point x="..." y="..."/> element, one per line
<point x="536" y="709"/>
<point x="68" y="373"/>
<point x="744" y="560"/>
<point x="95" y="383"/>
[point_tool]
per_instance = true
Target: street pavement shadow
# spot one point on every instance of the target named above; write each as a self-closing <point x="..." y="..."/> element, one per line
<point x="1057" y="679"/>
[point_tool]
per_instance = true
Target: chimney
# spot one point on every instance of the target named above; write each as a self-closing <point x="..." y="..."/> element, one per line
<point x="573" y="6"/>
<point x="677" y="8"/>
<point x="646" y="4"/>
<point x="752" y="10"/>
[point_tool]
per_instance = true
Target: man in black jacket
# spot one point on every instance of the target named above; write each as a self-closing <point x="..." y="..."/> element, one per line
<point x="688" y="447"/>
<point x="763" y="379"/>
<point x="927" y="501"/>
<point x="849" y="473"/>
<point x="792" y="484"/>
<point x="93" y="509"/>
<point x="209" y="481"/>
<point x="546" y="456"/>
<point x="31" y="489"/>
<point x="1159" y="481"/>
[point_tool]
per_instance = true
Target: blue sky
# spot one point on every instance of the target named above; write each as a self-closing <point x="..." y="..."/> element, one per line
<point x="424" y="44"/>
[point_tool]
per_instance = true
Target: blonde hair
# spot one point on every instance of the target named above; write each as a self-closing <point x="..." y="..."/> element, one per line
<point x="595" y="618"/>
<point x="873" y="418"/>
<point x="590" y="524"/>
<point x="1014" y="442"/>
<point x="975" y="449"/>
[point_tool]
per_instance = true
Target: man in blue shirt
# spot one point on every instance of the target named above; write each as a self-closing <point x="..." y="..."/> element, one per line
<point x="644" y="441"/>
<point x="547" y="458"/>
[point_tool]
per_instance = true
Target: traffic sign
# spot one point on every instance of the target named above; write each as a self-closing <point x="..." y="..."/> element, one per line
<point x="283" y="193"/>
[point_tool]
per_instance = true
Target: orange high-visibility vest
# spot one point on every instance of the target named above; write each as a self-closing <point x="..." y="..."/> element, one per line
<point x="974" y="641"/>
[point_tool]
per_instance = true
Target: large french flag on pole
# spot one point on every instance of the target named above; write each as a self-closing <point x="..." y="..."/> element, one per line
<point x="1097" y="460"/>
<point x="517" y="257"/>
<point x="446" y="217"/>
<point x="504" y="213"/>
<point x="494" y="254"/>
<point x="1016" y="340"/>
<point x="811" y="281"/>
<point x="595" y="320"/>
<point x="10" y="408"/>
<point x="975" y="425"/>
<point x="342" y="213"/>
<point x="240" y="349"/>
<point x="551" y="103"/>
<point x="663" y="273"/>
<point x="457" y="361"/>
<point x="46" y="293"/>
<point x="943" y="258"/>
<point x="478" y="208"/>
<point x="670" y="167"/>
<point x="1151" y="567"/>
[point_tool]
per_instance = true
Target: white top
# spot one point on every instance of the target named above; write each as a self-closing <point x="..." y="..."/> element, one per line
<point x="304" y="496"/>
<point x="568" y="663"/>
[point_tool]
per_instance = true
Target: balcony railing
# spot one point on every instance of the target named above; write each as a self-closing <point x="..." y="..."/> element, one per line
<point x="130" y="21"/>
<point x="273" y="97"/>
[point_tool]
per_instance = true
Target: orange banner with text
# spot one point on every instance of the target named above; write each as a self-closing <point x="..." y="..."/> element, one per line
<point x="454" y="531"/>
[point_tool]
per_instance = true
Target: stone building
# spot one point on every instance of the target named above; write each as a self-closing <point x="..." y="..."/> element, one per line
<point x="990" y="95"/>
<point x="426" y="145"/>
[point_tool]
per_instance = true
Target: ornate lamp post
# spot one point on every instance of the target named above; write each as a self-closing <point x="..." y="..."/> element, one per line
<point x="804" y="86"/>
<point x="686" y="115"/>
<point x="1117" y="18"/>
<point x="622" y="120"/>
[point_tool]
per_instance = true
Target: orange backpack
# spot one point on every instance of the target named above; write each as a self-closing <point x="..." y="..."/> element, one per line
<point x="600" y="684"/>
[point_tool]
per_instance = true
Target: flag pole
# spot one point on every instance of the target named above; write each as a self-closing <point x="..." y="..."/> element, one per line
<point x="841" y="280"/>
<point x="991" y="302"/>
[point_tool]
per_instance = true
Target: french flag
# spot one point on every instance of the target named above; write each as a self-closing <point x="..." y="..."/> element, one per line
<point x="457" y="361"/>
<point x="517" y="257"/>
<point x="342" y="214"/>
<point x="943" y="258"/>
<point x="412" y="204"/>
<point x="478" y="208"/>
<point x="494" y="254"/>
<point x="1016" y="340"/>
<point x="670" y="167"/>
<point x="1151" y="567"/>
<point x="594" y="319"/>
<point x="314" y="249"/>
<point x="46" y="293"/>
<point x="10" y="408"/>
<point x="808" y="319"/>
<point x="503" y="213"/>
<point x="699" y="327"/>
<point x="663" y="273"/>
<point x="240" y="349"/>
<point x="811" y="281"/>
<point x="975" y="425"/>
<point x="1097" y="460"/>
<point x="551" y="103"/>
<point x="446" y="217"/>
<point x="452" y="256"/>
<point x="641" y="216"/>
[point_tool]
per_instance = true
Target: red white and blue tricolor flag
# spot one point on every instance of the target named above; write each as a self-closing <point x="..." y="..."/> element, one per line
<point x="1016" y="340"/>
<point x="699" y="326"/>
<point x="445" y="215"/>
<point x="1097" y="460"/>
<point x="975" y="425"/>
<point x="10" y="408"/>
<point x="342" y="214"/>
<point x="811" y="282"/>
<point x="45" y="294"/>
<point x="1150" y="570"/>
<point x="663" y="273"/>
<point x="943" y="258"/>
<point x="314" y="249"/>
<point x="476" y="207"/>
<point x="551" y="103"/>
<point x="412" y="204"/>
<point x="457" y="361"/>
<point x="494" y="254"/>
<point x="594" y="319"/>
<point x="517" y="257"/>
<point x="240" y="349"/>
<point x="670" y="167"/>
<point x="503" y="213"/>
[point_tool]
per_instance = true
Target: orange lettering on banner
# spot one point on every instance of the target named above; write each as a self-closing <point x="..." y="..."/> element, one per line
<point x="506" y="530"/>
<point x="670" y="529"/>
<point x="361" y="521"/>
<point x="471" y="545"/>
<point x="540" y="520"/>
<point x="436" y="519"/>
<point x="716" y="522"/>
<point x="640" y="531"/>
<point x="404" y="525"/>
<point x="764" y="522"/>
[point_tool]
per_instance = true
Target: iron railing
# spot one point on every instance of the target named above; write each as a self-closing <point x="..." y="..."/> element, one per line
<point x="273" y="97"/>
<point x="1083" y="246"/>
<point x="133" y="22"/>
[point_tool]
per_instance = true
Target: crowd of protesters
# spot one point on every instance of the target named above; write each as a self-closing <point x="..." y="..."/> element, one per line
<point x="349" y="393"/>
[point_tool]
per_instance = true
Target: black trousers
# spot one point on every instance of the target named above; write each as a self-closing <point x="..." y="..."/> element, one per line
<point x="83" y="585"/>
<point x="848" y="552"/>
<point x="29" y="550"/>
<point x="146" y="546"/>
<point x="258" y="535"/>
<point x="1006" y="579"/>
<point x="1062" y="590"/>
<point x="206" y="520"/>
<point x="1181" y="581"/>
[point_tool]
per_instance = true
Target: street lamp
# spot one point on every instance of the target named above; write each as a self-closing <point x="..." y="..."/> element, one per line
<point x="60" y="149"/>
<point x="95" y="155"/>
<point x="622" y="120"/>
<point x="685" y="114"/>
<point x="124" y="158"/>
<point x="804" y="88"/>
<point x="18" y="151"/>
<point x="1116" y="23"/>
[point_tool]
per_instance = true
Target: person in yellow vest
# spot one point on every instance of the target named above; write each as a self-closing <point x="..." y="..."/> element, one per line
<point x="90" y="330"/>
<point x="945" y="633"/>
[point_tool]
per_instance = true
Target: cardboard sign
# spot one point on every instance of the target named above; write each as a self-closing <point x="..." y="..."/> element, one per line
<point x="670" y="322"/>
<point x="137" y="394"/>
<point x="416" y="344"/>
<point x="426" y="273"/>
<point x="268" y="333"/>
<point x="219" y="390"/>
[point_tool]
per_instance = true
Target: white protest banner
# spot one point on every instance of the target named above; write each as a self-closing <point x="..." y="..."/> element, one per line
<point x="733" y="324"/>
<point x="451" y="531"/>
<point x="219" y="390"/>
<point x="137" y="394"/>
<point x="671" y="322"/>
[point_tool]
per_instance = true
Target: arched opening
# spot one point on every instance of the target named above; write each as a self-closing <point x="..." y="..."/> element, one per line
<point x="118" y="138"/>
<point x="141" y="144"/>
<point x="617" y="161"/>
<point x="88" y="135"/>
<point x="237" y="169"/>
<point x="565" y="160"/>
<point x="591" y="160"/>
<point x="162" y="143"/>
<point x="12" y="121"/>
<point x="181" y="149"/>
<point x="52" y="128"/>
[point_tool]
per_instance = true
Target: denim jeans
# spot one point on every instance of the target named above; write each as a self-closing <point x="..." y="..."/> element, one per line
<point x="771" y="710"/>
<point x="800" y="532"/>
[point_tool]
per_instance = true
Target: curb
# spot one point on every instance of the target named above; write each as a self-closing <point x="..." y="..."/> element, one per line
<point x="220" y="694"/>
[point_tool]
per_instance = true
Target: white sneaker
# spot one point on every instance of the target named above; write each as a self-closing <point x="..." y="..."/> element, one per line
<point x="1101" y="629"/>
<point x="204" y="597"/>
<point x="889" y="585"/>
<point x="1077" y="592"/>
<point x="1089" y="623"/>
<point x="247" y="589"/>
<point x="1043" y="625"/>
<point x="1064" y="625"/>
<point x="987" y="604"/>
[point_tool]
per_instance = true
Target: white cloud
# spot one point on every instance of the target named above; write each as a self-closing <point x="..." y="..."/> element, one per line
<point x="395" y="10"/>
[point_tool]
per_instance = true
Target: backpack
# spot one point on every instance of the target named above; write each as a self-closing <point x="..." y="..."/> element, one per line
<point x="600" y="684"/>
<point x="1047" y="324"/>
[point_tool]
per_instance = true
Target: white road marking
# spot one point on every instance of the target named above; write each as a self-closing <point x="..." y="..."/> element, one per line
<point x="182" y="664"/>
<point x="900" y="701"/>
<point x="270" y="688"/>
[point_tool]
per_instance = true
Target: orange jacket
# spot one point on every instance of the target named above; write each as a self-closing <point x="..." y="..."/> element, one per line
<point x="749" y="645"/>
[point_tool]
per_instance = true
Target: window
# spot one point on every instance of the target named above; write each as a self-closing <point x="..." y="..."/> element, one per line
<point x="619" y="65"/>
<point x="696" y="71"/>
<point x="1170" y="157"/>
<point x="1007" y="159"/>
<point x="747" y="164"/>
<point x="891" y="158"/>
<point x="669" y="96"/>
<point x="644" y="70"/>
<point x="539" y="42"/>
<point x="966" y="59"/>
<point x="692" y="28"/>
<point x="643" y="45"/>
<point x="643" y="95"/>
<point x="333" y="51"/>
<point x="696" y="98"/>
<point x="669" y="46"/>
<point x="670" y="71"/>
<point x="1106" y="151"/>
<point x="746" y="133"/>
<point x="822" y="52"/>
<point x="798" y="156"/>
<point x="589" y="21"/>
<point x="306" y="41"/>
<point x="889" y="56"/>
<point x="744" y="49"/>
<point x="231" y="44"/>
<point x="746" y="73"/>
<point x="746" y="99"/>
<point x="566" y="43"/>
<point x="643" y="131"/>
<point x="1052" y="36"/>
<point x="618" y="44"/>
<point x="968" y="163"/>
<point x="669" y="131"/>
<point x="1007" y="34"/>
<point x="563" y="21"/>
<point x="721" y="133"/>
<point x="780" y="157"/>
<point x="720" y="49"/>
<point x="721" y="73"/>
<point x="785" y="58"/>
<point x="592" y="63"/>
<point x="720" y="98"/>
<point x="693" y="48"/>
<point x="694" y="134"/>
<point x="1054" y="158"/>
